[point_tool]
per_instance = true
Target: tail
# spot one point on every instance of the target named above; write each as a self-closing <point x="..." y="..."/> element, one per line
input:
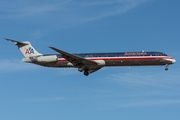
<point x="25" y="47"/>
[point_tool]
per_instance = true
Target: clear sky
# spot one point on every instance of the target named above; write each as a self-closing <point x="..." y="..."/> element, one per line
<point x="30" y="92"/>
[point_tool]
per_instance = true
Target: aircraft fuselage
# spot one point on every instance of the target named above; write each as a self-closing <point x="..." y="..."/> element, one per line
<point x="115" y="59"/>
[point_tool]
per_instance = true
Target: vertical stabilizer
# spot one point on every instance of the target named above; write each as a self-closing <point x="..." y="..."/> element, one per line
<point x="26" y="48"/>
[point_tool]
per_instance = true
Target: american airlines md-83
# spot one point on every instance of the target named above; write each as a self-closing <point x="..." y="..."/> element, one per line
<point x="91" y="62"/>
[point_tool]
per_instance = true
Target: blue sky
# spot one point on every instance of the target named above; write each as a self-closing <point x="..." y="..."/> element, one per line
<point x="33" y="93"/>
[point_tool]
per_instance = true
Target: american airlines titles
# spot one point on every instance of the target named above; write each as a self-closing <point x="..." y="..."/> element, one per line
<point x="135" y="53"/>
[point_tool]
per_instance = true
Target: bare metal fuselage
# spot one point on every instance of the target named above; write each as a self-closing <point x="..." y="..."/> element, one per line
<point x="115" y="61"/>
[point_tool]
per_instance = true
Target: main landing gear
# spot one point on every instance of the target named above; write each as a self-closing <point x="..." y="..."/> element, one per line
<point x="86" y="73"/>
<point x="166" y="67"/>
<point x="80" y="69"/>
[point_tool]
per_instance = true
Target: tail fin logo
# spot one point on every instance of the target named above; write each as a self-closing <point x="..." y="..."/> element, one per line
<point x="29" y="51"/>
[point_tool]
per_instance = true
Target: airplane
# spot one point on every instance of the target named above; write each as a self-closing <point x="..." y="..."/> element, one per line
<point x="91" y="62"/>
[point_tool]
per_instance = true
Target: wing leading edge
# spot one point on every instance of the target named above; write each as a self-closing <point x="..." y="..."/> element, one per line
<point x="88" y="66"/>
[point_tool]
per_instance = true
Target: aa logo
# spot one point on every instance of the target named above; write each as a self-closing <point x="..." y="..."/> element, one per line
<point x="29" y="51"/>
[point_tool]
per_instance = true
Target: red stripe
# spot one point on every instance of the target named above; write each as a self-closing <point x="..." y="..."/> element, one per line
<point x="123" y="58"/>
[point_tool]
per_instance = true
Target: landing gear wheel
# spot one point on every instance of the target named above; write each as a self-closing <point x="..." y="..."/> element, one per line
<point x="80" y="70"/>
<point x="166" y="69"/>
<point x="86" y="73"/>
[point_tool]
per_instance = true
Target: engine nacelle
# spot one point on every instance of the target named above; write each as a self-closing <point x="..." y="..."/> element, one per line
<point x="100" y="62"/>
<point x="52" y="58"/>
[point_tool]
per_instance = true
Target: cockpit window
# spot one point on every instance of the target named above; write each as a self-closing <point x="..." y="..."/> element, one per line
<point x="164" y="54"/>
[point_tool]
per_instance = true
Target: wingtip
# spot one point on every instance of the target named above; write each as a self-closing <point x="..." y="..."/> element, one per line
<point x="6" y="39"/>
<point x="50" y="47"/>
<point x="53" y="48"/>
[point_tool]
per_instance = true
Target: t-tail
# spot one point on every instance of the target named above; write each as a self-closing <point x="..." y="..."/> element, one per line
<point x="26" y="48"/>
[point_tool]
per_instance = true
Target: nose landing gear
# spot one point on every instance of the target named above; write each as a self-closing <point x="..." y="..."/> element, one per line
<point x="166" y="67"/>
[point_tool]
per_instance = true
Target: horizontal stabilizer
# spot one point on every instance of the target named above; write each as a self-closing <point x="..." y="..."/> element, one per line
<point x="16" y="42"/>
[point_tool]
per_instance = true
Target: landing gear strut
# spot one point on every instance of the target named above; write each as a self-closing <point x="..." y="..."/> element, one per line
<point x="166" y="67"/>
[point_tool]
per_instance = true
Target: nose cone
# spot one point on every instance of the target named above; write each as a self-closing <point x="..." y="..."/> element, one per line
<point x="173" y="61"/>
<point x="170" y="60"/>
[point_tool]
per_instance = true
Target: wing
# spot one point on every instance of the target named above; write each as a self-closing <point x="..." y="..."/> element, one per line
<point x="79" y="62"/>
<point x="94" y="69"/>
